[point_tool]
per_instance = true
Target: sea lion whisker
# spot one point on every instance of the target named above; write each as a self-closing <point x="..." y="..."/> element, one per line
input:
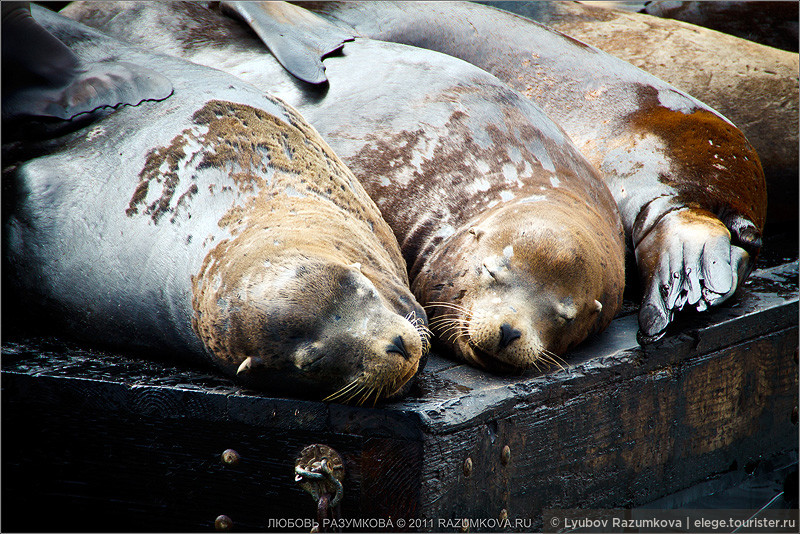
<point x="351" y="386"/>
<point x="354" y="393"/>
<point x="425" y="336"/>
<point x="459" y="331"/>
<point x="461" y="311"/>
<point x="445" y="315"/>
<point x="342" y="391"/>
<point x="554" y="358"/>
<point x="366" y="390"/>
<point x="439" y="321"/>
<point x="377" y="395"/>
<point x="450" y="326"/>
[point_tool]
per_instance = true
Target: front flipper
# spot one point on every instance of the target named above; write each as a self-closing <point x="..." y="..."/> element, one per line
<point x="687" y="259"/>
<point x="297" y="38"/>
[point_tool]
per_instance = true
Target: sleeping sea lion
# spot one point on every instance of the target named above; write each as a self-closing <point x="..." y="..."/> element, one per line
<point x="215" y="225"/>
<point x="512" y="240"/>
<point x="688" y="184"/>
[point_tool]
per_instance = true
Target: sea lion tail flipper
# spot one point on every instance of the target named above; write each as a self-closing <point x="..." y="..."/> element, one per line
<point x="297" y="38"/>
<point x="100" y="85"/>
<point x="44" y="78"/>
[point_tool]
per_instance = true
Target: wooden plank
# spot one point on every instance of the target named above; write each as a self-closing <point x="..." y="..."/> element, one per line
<point x="626" y="442"/>
<point x="106" y="436"/>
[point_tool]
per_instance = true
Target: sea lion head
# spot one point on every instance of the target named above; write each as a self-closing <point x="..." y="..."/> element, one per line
<point x="297" y="323"/>
<point x="522" y="284"/>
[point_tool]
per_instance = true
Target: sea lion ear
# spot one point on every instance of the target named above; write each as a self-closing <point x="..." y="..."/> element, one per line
<point x="249" y="363"/>
<point x="477" y="232"/>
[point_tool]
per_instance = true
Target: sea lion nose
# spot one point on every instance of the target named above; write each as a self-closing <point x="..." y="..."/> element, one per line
<point x="508" y="334"/>
<point x="399" y="347"/>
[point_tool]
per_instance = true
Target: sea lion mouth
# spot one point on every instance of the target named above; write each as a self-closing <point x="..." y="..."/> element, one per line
<point x="491" y="362"/>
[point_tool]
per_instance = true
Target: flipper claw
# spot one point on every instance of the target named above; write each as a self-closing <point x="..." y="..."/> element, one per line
<point x="704" y="268"/>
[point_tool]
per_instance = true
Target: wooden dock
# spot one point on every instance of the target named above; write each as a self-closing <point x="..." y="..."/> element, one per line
<point x="99" y="441"/>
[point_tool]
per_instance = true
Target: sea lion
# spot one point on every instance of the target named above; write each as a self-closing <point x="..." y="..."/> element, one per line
<point x="513" y="242"/>
<point x="769" y="23"/>
<point x="215" y="225"/>
<point x="753" y="85"/>
<point x="688" y="184"/>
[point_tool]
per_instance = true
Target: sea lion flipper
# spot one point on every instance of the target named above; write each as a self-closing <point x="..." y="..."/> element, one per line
<point x="100" y="85"/>
<point x="31" y="54"/>
<point x="298" y="39"/>
<point x="44" y="78"/>
<point x="687" y="260"/>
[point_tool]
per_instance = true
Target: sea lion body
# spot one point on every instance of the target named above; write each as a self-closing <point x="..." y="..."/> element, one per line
<point x="772" y="24"/>
<point x="753" y="85"/>
<point x="512" y="241"/>
<point x="215" y="224"/>
<point x="688" y="184"/>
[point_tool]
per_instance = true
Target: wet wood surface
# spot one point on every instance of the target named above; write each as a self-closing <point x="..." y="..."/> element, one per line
<point x="100" y="441"/>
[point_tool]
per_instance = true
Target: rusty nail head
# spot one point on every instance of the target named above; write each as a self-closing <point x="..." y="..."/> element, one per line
<point x="223" y="522"/>
<point x="230" y="457"/>
<point x="505" y="456"/>
<point x="468" y="467"/>
<point x="503" y="515"/>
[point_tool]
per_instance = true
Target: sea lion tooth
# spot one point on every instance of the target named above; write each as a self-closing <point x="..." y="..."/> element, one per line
<point x="598" y="306"/>
<point x="248" y="364"/>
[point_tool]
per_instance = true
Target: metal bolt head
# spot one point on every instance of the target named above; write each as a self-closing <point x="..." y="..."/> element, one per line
<point x="230" y="457"/>
<point x="468" y="467"/>
<point x="503" y="515"/>
<point x="505" y="456"/>
<point x="223" y="522"/>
